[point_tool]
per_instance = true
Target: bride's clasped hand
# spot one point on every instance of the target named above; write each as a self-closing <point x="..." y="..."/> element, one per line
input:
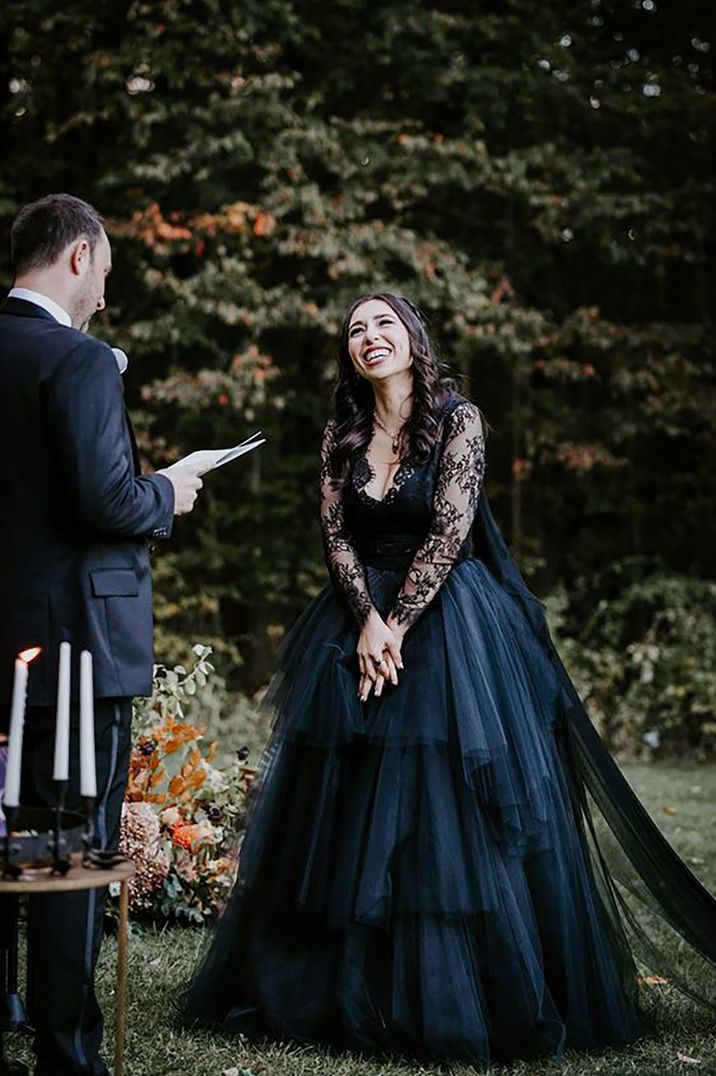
<point x="379" y="655"/>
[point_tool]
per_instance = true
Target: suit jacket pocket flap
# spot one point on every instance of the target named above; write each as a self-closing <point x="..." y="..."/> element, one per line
<point x="114" y="583"/>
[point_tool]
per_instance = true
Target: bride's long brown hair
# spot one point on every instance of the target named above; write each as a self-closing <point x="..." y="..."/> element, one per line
<point x="354" y="401"/>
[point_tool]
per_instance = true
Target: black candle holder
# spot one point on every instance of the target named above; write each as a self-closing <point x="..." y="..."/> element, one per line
<point x="10" y="868"/>
<point x="98" y="858"/>
<point x="88" y="835"/>
<point x="61" y="860"/>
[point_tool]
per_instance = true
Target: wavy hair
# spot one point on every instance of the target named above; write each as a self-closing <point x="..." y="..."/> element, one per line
<point x="354" y="401"/>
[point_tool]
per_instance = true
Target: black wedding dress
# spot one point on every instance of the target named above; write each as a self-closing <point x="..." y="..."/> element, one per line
<point x="423" y="873"/>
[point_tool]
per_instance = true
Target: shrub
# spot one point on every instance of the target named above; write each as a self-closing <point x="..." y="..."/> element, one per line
<point x="643" y="657"/>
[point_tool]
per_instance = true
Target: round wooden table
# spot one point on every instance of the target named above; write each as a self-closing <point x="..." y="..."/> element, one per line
<point x="34" y="882"/>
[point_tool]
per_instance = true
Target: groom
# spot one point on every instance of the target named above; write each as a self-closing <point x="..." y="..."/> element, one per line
<point x="77" y="516"/>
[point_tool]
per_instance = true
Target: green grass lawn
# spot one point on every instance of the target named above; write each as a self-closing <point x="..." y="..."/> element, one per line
<point x="160" y="962"/>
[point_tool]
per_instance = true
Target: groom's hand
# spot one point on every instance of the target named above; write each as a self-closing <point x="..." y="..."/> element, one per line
<point x="186" y="481"/>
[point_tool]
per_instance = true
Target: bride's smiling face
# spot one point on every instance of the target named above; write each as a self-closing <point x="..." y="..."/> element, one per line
<point x="378" y="341"/>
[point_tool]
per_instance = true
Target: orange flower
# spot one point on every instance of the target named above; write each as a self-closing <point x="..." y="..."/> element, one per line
<point x="184" y="835"/>
<point x="190" y="835"/>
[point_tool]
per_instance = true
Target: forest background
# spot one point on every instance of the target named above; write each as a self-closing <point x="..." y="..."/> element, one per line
<point x="539" y="176"/>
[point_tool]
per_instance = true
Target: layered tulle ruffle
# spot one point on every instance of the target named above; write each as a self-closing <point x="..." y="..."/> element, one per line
<point x="414" y="876"/>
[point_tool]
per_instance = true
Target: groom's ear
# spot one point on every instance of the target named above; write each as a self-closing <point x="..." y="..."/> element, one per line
<point x="80" y="255"/>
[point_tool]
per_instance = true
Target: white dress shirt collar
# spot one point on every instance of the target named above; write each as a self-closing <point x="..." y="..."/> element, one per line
<point x="48" y="304"/>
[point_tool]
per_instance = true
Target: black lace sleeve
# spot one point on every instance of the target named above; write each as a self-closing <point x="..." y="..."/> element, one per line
<point x="457" y="491"/>
<point x="343" y="564"/>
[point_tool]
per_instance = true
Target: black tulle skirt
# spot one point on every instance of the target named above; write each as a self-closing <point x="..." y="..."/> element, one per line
<point x="415" y="877"/>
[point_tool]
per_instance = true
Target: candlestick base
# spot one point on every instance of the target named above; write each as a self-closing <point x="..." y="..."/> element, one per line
<point x="88" y="836"/>
<point x="11" y="870"/>
<point x="30" y="841"/>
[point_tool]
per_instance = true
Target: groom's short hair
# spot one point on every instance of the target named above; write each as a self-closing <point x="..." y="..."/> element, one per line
<point x="43" y="229"/>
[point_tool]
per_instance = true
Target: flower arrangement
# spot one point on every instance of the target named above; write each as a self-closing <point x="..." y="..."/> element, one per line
<point x="182" y="813"/>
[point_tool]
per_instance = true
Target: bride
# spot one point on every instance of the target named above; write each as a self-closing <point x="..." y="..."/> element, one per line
<point x="423" y="871"/>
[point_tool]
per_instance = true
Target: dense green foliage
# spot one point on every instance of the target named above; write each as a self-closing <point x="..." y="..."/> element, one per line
<point x="540" y="178"/>
<point x="644" y="659"/>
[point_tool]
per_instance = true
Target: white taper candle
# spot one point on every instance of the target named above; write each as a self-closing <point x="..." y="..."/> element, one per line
<point x="88" y="770"/>
<point x="13" y="766"/>
<point x="61" y="771"/>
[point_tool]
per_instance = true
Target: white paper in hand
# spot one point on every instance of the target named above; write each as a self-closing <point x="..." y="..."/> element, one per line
<point x="211" y="458"/>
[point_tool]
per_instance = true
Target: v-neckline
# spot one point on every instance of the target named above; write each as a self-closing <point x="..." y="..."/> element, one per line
<point x="390" y="489"/>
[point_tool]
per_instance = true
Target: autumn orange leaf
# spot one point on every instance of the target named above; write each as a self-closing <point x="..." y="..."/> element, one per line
<point x="176" y="785"/>
<point x="264" y="223"/>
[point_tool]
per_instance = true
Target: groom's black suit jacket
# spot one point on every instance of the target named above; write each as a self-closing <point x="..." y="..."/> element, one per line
<point x="75" y="514"/>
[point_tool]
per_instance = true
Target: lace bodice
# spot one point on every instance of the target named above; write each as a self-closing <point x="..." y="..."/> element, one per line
<point x="422" y="525"/>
